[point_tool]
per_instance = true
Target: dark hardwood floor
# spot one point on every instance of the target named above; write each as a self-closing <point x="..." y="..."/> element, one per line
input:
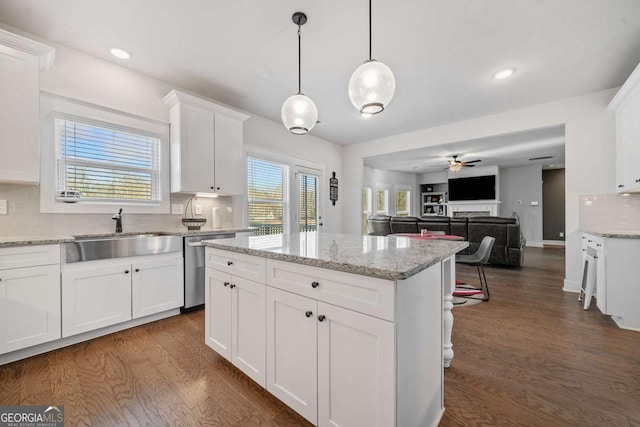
<point x="529" y="357"/>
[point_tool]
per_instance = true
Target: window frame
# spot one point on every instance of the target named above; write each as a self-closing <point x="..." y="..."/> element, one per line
<point x="54" y="106"/>
<point x="385" y="188"/>
<point x="406" y="188"/>
<point x="154" y="171"/>
<point x="286" y="192"/>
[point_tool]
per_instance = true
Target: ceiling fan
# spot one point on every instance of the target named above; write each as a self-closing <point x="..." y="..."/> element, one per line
<point x="455" y="165"/>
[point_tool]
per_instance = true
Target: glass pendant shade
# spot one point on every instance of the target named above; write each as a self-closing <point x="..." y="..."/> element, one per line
<point x="299" y="114"/>
<point x="371" y="87"/>
<point x="455" y="167"/>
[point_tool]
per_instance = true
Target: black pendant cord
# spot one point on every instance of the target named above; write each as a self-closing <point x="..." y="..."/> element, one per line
<point x="299" y="61"/>
<point x="369" y="30"/>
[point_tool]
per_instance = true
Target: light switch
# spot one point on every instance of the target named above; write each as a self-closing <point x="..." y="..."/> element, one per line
<point x="3" y="207"/>
<point x="535" y="203"/>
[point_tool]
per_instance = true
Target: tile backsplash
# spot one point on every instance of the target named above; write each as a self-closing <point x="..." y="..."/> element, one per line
<point x="24" y="217"/>
<point x="610" y="212"/>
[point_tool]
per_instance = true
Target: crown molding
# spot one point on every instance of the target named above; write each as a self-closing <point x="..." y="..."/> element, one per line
<point x="23" y="44"/>
<point x="175" y="96"/>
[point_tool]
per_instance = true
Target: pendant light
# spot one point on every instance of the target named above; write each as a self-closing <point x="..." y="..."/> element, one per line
<point x="372" y="84"/>
<point x="299" y="113"/>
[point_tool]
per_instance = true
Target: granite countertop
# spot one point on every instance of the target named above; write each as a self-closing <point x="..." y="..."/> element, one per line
<point x="10" y="241"/>
<point x="385" y="257"/>
<point x="616" y="234"/>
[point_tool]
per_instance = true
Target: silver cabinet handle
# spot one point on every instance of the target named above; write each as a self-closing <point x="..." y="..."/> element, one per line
<point x="194" y="244"/>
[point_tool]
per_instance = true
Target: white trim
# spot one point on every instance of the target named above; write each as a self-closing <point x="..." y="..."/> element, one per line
<point x="52" y="105"/>
<point x="534" y="244"/>
<point x="626" y="89"/>
<point x="23" y="44"/>
<point x="554" y="242"/>
<point x="176" y="96"/>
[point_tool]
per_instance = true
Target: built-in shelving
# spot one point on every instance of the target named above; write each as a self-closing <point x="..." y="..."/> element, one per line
<point x="434" y="203"/>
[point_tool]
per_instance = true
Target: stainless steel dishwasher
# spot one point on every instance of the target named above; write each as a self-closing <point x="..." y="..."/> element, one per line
<point x="194" y="268"/>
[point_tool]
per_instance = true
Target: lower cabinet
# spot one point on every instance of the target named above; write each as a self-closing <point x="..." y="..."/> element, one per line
<point x="234" y="321"/>
<point x="332" y="365"/>
<point x="96" y="294"/>
<point x="30" y="301"/>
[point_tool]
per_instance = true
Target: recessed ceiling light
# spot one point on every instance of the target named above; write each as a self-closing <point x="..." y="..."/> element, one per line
<point x="503" y="74"/>
<point x="120" y="53"/>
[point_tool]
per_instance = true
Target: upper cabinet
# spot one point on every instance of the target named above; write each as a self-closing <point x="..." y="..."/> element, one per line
<point x="21" y="60"/>
<point x="206" y="146"/>
<point x="626" y="105"/>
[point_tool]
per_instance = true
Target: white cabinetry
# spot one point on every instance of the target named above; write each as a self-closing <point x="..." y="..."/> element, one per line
<point x="206" y="146"/>
<point x="341" y="349"/>
<point x="96" y="294"/>
<point x="626" y="105"/>
<point x="29" y="296"/>
<point x="20" y="62"/>
<point x="234" y="318"/>
<point x="616" y="276"/>
<point x="332" y="365"/>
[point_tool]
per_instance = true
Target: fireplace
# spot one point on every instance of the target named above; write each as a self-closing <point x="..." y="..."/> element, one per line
<point x="473" y="208"/>
<point x="471" y="214"/>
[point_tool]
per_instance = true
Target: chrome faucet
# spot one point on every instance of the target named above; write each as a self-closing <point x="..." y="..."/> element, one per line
<point x="118" y="219"/>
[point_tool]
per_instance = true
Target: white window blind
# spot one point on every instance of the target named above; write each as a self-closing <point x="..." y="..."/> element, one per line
<point x="268" y="193"/>
<point x="308" y="200"/>
<point x="99" y="163"/>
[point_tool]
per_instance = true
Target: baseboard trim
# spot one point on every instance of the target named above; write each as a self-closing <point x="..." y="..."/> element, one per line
<point x="534" y="244"/>
<point x="571" y="286"/>
<point x="554" y="242"/>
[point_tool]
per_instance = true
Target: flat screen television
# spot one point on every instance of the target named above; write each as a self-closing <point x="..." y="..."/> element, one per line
<point x="472" y="188"/>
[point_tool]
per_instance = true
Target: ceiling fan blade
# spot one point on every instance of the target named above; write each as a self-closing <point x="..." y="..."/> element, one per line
<point x="472" y="161"/>
<point x="467" y="166"/>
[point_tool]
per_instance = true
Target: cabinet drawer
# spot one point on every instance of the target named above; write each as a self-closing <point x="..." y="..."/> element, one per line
<point x="367" y="295"/>
<point x="29" y="256"/>
<point x="594" y="242"/>
<point x="245" y="266"/>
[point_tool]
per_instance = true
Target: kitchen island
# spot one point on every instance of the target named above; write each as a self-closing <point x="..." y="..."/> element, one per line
<point x="345" y="329"/>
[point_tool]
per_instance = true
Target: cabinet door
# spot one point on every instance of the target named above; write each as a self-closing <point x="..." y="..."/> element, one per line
<point x="634" y="150"/>
<point x="624" y="147"/>
<point x="228" y="156"/>
<point x="30" y="301"/>
<point x="19" y="85"/>
<point x="218" y="312"/>
<point x="157" y="286"/>
<point x="248" y="343"/>
<point x="292" y="351"/>
<point x="95" y="296"/>
<point x="196" y="150"/>
<point x="356" y="369"/>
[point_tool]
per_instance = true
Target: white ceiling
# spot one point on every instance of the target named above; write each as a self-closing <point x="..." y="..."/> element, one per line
<point x="443" y="53"/>
<point x="512" y="150"/>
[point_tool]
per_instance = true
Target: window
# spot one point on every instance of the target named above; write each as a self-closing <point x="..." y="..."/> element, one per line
<point x="382" y="201"/>
<point x="367" y="209"/>
<point x="99" y="162"/>
<point x="403" y="202"/>
<point x="308" y="201"/>
<point x="268" y="196"/>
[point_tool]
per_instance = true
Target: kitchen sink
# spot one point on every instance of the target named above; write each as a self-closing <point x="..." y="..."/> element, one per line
<point x="119" y="246"/>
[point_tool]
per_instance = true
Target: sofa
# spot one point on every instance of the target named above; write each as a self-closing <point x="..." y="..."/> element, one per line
<point x="508" y="249"/>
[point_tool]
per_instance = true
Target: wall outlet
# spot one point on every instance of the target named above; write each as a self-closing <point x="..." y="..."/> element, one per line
<point x="177" y="209"/>
<point x="535" y="203"/>
<point x="561" y="234"/>
<point x="198" y="209"/>
<point x="3" y="207"/>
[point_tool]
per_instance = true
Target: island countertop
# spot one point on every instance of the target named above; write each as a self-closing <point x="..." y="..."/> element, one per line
<point x="384" y="257"/>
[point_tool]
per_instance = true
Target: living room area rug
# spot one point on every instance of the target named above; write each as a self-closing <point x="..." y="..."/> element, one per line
<point x="466" y="295"/>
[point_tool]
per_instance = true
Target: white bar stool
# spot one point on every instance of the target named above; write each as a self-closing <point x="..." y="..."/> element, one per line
<point x="588" y="278"/>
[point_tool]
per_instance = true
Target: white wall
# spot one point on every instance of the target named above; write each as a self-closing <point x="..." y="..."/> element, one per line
<point x="589" y="150"/>
<point x="518" y="188"/>
<point x="89" y="79"/>
<point x="392" y="181"/>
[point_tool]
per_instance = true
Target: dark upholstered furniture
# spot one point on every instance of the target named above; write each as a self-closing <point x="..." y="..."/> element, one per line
<point x="508" y="248"/>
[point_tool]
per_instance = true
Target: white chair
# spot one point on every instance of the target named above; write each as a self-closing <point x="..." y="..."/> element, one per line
<point x="480" y="258"/>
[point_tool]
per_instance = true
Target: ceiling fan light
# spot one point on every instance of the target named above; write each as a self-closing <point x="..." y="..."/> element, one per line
<point x="299" y="114"/>
<point x="371" y="87"/>
<point x="455" y="167"/>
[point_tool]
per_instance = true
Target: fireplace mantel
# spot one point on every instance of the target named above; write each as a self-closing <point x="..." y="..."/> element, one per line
<point x="491" y="207"/>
